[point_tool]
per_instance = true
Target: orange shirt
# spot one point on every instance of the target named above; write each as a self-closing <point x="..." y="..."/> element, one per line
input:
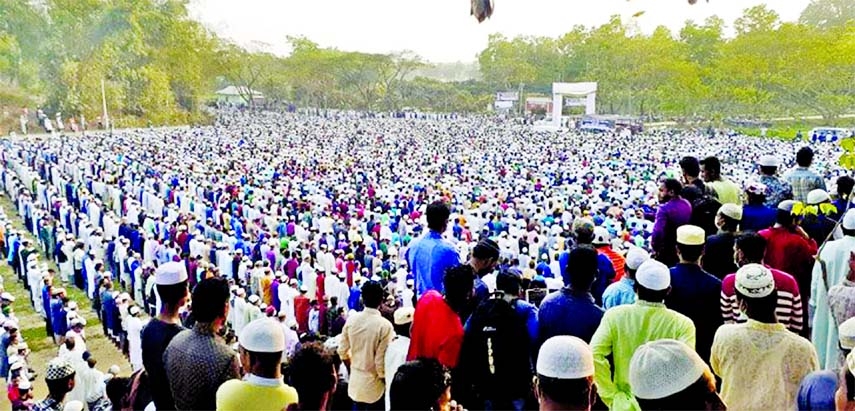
<point x="618" y="261"/>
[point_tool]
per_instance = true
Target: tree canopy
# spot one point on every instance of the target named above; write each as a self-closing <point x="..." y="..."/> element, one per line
<point x="159" y="65"/>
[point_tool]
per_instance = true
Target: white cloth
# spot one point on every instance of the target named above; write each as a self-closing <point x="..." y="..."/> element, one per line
<point x="135" y="326"/>
<point x="396" y="355"/>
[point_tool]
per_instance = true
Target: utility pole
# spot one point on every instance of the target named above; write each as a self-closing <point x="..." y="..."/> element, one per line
<point x="104" y="106"/>
<point x="521" y="100"/>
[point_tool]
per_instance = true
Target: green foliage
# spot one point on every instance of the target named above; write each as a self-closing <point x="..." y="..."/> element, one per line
<point x="768" y="69"/>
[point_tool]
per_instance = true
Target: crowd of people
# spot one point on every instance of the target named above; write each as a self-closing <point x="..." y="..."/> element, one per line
<point x="342" y="261"/>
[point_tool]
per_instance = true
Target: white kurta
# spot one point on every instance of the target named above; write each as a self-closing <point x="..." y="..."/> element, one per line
<point x="824" y="329"/>
<point x="135" y="326"/>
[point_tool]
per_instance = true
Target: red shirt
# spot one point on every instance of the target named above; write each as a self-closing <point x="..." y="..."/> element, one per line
<point x="437" y="332"/>
<point x="618" y="261"/>
<point x="301" y="311"/>
<point x="791" y="253"/>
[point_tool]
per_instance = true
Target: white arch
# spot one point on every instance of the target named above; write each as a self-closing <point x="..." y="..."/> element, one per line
<point x="586" y="94"/>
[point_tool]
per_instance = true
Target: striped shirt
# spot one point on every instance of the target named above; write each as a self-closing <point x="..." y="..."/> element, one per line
<point x="789" y="310"/>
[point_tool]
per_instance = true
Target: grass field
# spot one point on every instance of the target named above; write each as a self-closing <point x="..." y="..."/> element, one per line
<point x="33" y="325"/>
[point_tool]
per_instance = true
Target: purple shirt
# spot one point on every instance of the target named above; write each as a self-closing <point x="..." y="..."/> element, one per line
<point x="675" y="213"/>
<point x="291" y="268"/>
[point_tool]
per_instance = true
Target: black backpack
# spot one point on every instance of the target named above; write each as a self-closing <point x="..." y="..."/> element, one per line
<point x="704" y="210"/>
<point x="496" y="353"/>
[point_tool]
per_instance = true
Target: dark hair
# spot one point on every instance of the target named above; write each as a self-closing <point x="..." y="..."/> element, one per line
<point x="418" y="385"/>
<point x="752" y="245"/>
<point x="712" y="164"/>
<point x="760" y="309"/>
<point x="574" y="393"/>
<point x="784" y="218"/>
<point x="458" y="282"/>
<point x="312" y="373"/>
<point x="581" y="267"/>
<point x="649" y="295"/>
<point x="170" y="295"/>
<point x="437" y="214"/>
<point x="847" y="232"/>
<point x="673" y="185"/>
<point x="486" y="249"/>
<point x="804" y="157"/>
<point x="690" y="165"/>
<point x="755" y="199"/>
<point x="844" y="186"/>
<point x="402" y="329"/>
<point x="209" y="299"/>
<point x="693" y="397"/>
<point x="730" y="224"/>
<point x="508" y="283"/>
<point x="372" y="294"/>
<point x="768" y="170"/>
<point x="268" y="361"/>
<point x="690" y="252"/>
<point x="59" y="388"/>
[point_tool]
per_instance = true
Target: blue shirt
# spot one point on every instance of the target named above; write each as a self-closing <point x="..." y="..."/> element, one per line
<point x="696" y="294"/>
<point x="605" y="274"/>
<point x="566" y="312"/>
<point x="619" y="293"/>
<point x="757" y="217"/>
<point x="428" y="258"/>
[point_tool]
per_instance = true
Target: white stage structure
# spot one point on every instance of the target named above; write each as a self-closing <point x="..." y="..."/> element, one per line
<point x="580" y="95"/>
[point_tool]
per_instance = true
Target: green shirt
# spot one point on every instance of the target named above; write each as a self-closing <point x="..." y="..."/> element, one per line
<point x="727" y="191"/>
<point x="623" y="329"/>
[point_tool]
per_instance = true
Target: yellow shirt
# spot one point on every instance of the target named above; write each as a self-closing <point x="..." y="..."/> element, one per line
<point x="256" y="394"/>
<point x="623" y="329"/>
<point x="364" y="340"/>
<point x="761" y="365"/>
<point x="727" y="191"/>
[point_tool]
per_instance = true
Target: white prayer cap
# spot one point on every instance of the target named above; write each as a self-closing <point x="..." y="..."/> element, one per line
<point x="253" y="299"/>
<point x="786" y="205"/>
<point x="170" y="273"/>
<point x="565" y="357"/>
<point x="114" y="369"/>
<point x="72" y="305"/>
<point x="404" y="315"/>
<point x="263" y="335"/>
<point x="134" y="310"/>
<point x="817" y="196"/>
<point x="754" y="281"/>
<point x="73" y="405"/>
<point x="635" y="257"/>
<point x="691" y="235"/>
<point x="653" y="275"/>
<point x="850" y="362"/>
<point x="768" y="161"/>
<point x="601" y="236"/>
<point x="24" y="384"/>
<point x="846" y="333"/>
<point x="5" y="296"/>
<point x="663" y="368"/>
<point x="731" y="210"/>
<point x="849" y="220"/>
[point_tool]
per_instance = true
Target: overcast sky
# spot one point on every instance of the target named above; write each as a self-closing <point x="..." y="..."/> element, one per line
<point x="443" y="30"/>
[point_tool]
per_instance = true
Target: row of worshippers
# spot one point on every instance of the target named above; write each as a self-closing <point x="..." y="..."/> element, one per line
<point x="64" y="323"/>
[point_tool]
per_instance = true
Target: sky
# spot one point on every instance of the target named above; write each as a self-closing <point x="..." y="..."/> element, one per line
<point x="443" y="30"/>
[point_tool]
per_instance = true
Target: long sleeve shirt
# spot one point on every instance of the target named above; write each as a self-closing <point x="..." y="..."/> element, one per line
<point x="761" y="365"/>
<point x="622" y="330"/>
<point x="788" y="310"/>
<point x="428" y="258"/>
<point x="695" y="293"/>
<point x="364" y="340"/>
<point x="669" y="217"/>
